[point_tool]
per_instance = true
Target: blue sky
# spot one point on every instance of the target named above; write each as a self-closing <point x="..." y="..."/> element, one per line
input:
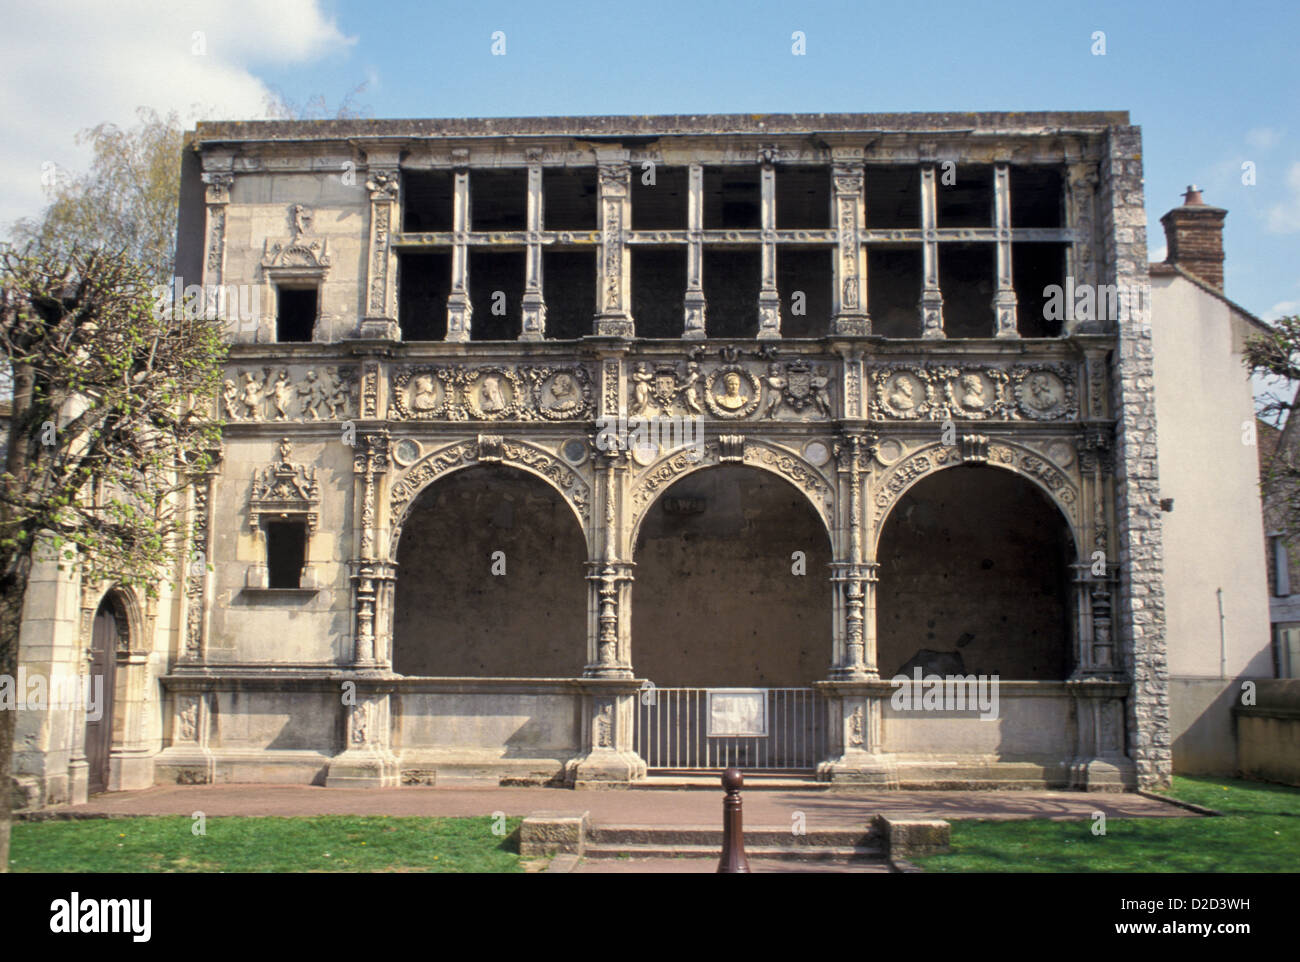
<point x="1211" y="85"/>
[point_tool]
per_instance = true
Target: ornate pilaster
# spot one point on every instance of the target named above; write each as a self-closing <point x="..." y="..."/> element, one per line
<point x="197" y="582"/>
<point x="1004" y="300"/>
<point x="459" y="310"/>
<point x="1095" y="576"/>
<point x="380" y="320"/>
<point x="769" y="298"/>
<point x="217" y="198"/>
<point x="695" y="304"/>
<point x="850" y="292"/>
<point x="931" y="295"/>
<point x="613" y="292"/>
<point x="372" y="578"/>
<point x="534" y="306"/>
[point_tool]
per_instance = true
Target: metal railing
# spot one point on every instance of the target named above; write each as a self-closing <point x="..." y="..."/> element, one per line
<point x="676" y="730"/>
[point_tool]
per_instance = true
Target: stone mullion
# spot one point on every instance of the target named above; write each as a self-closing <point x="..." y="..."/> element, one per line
<point x="769" y="298"/>
<point x="695" y="304"/>
<point x="534" y="306"/>
<point x="1004" y="300"/>
<point x="614" y="317"/>
<point x="380" y="319"/>
<point x="931" y="295"/>
<point x="459" y="310"/>
<point x="1081" y="220"/>
<point x="850" y="307"/>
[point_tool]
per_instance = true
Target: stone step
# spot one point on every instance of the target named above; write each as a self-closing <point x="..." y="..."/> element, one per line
<point x="792" y="853"/>
<point x="774" y="836"/>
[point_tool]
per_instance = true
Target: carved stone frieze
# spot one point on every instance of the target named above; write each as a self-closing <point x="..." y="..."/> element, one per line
<point x="1045" y="391"/>
<point x="315" y="394"/>
<point x="432" y="392"/>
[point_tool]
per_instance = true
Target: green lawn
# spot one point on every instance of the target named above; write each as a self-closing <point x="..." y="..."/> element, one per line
<point x="1259" y="832"/>
<point x="326" y="843"/>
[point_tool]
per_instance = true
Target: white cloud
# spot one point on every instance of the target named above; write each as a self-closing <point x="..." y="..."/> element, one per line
<point x="1158" y="254"/>
<point x="1264" y="138"/>
<point x="1282" y="307"/>
<point x="1284" y="218"/>
<point x="70" y="64"/>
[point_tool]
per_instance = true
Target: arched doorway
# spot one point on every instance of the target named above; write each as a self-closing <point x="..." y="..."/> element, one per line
<point x="109" y="626"/>
<point x="732" y="591"/>
<point x="490" y="580"/>
<point x="974" y="578"/>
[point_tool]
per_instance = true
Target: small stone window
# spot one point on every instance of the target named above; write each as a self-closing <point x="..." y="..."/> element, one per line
<point x="296" y="311"/>
<point x="286" y="553"/>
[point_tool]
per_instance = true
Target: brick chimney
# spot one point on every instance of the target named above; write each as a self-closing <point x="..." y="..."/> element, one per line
<point x="1194" y="235"/>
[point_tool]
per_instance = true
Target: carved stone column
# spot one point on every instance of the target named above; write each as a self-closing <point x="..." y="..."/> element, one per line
<point x="380" y="320"/>
<point x="366" y="761"/>
<point x="608" y="755"/>
<point x="1095" y="576"/>
<point x="931" y="295"/>
<point x="854" y="737"/>
<point x="534" y="306"/>
<point x="1004" y="300"/>
<point x="854" y="579"/>
<point x="1100" y="763"/>
<point x="850" y="292"/>
<point x="459" y="310"/>
<point x="609" y="578"/>
<point x="695" y="304"/>
<point x="613" y="293"/>
<point x="769" y="298"/>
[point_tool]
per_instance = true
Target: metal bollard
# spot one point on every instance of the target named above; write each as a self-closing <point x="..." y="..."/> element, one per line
<point x="733" y="831"/>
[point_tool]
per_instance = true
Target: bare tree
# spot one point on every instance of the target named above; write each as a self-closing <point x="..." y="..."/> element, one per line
<point x="112" y="409"/>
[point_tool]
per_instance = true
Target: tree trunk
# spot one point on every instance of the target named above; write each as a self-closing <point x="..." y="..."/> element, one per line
<point x="12" y="590"/>
<point x="15" y="567"/>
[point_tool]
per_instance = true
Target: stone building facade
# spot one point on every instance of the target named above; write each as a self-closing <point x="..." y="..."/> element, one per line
<point x="861" y="441"/>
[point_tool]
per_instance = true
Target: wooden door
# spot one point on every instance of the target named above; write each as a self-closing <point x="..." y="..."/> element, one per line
<point x="99" y="731"/>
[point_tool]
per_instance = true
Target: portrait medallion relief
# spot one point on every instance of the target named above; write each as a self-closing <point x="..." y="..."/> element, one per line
<point x="732" y="392"/>
<point x="902" y="395"/>
<point x="1041" y="395"/>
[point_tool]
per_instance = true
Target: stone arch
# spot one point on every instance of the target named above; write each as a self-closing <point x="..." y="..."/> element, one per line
<point x="888" y="488"/>
<point x="490" y="579"/>
<point x="567" y="481"/>
<point x="974" y="577"/>
<point x="114" y="628"/>
<point x="646" y="487"/>
<point x="720" y="597"/>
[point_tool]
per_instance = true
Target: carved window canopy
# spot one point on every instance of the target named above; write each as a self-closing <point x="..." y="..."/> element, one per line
<point x="285" y="491"/>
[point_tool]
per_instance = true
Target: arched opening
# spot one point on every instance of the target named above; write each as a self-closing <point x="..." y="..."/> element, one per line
<point x="109" y="631"/>
<point x="490" y="580"/>
<point x="975" y="579"/>
<point x="719" y="600"/>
